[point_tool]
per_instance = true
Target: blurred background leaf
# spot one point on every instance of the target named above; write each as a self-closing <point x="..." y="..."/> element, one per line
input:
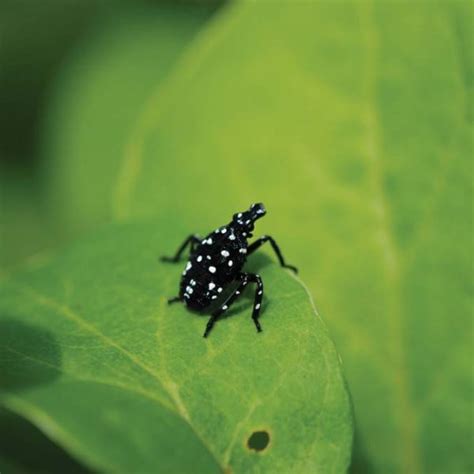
<point x="34" y="38"/>
<point x="97" y="100"/>
<point x="24" y="223"/>
<point x="92" y="354"/>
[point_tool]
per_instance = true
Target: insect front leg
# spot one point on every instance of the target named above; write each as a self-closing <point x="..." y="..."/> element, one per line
<point x="266" y="238"/>
<point x="238" y="291"/>
<point x="257" y="303"/>
<point x="191" y="240"/>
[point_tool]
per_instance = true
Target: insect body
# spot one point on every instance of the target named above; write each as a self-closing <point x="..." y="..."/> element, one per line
<point x="217" y="261"/>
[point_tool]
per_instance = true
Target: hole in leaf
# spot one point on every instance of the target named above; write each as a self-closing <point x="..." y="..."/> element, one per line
<point x="258" y="440"/>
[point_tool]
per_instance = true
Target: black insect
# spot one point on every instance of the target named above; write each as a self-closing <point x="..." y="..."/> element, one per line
<point x="216" y="262"/>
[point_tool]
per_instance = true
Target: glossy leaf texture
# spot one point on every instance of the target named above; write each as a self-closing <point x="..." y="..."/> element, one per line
<point x="93" y="355"/>
<point x="97" y="100"/>
<point x="352" y="122"/>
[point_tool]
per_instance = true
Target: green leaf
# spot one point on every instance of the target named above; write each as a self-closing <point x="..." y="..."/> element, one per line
<point x="91" y="353"/>
<point x="97" y="99"/>
<point x="352" y="123"/>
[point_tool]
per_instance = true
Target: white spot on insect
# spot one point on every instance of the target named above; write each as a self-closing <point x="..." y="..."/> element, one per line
<point x="259" y="211"/>
<point x="212" y="269"/>
<point x="247" y="221"/>
<point x="208" y="257"/>
<point x="257" y="306"/>
<point x="219" y="290"/>
<point x="237" y="292"/>
<point x="212" y="285"/>
<point x="213" y="297"/>
<point x="224" y="307"/>
<point x="259" y="292"/>
<point x="239" y="215"/>
<point x="186" y="295"/>
<point x="193" y="282"/>
<point x="199" y="259"/>
<point x="231" y="237"/>
<point x="209" y="241"/>
<point x="188" y="266"/>
<point x="223" y="230"/>
<point x="243" y="250"/>
<point x="189" y="289"/>
<point x="244" y="234"/>
<point x="230" y="263"/>
<point x="225" y="253"/>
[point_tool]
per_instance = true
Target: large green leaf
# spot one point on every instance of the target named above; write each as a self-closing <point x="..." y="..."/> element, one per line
<point x="91" y="353"/>
<point x="351" y="122"/>
<point x="97" y="99"/>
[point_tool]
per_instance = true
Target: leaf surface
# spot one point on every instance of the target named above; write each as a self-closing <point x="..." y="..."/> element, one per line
<point x="91" y="353"/>
<point x="352" y="123"/>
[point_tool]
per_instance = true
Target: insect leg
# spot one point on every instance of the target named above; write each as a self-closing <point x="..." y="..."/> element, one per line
<point x="266" y="238"/>
<point x="257" y="304"/>
<point x="244" y="282"/>
<point x="192" y="239"/>
<point x="174" y="300"/>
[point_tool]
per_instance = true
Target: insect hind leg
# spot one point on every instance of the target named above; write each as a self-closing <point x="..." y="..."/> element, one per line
<point x="231" y="299"/>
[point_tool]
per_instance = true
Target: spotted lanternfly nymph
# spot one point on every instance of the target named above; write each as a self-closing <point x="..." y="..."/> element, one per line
<point x="216" y="262"/>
